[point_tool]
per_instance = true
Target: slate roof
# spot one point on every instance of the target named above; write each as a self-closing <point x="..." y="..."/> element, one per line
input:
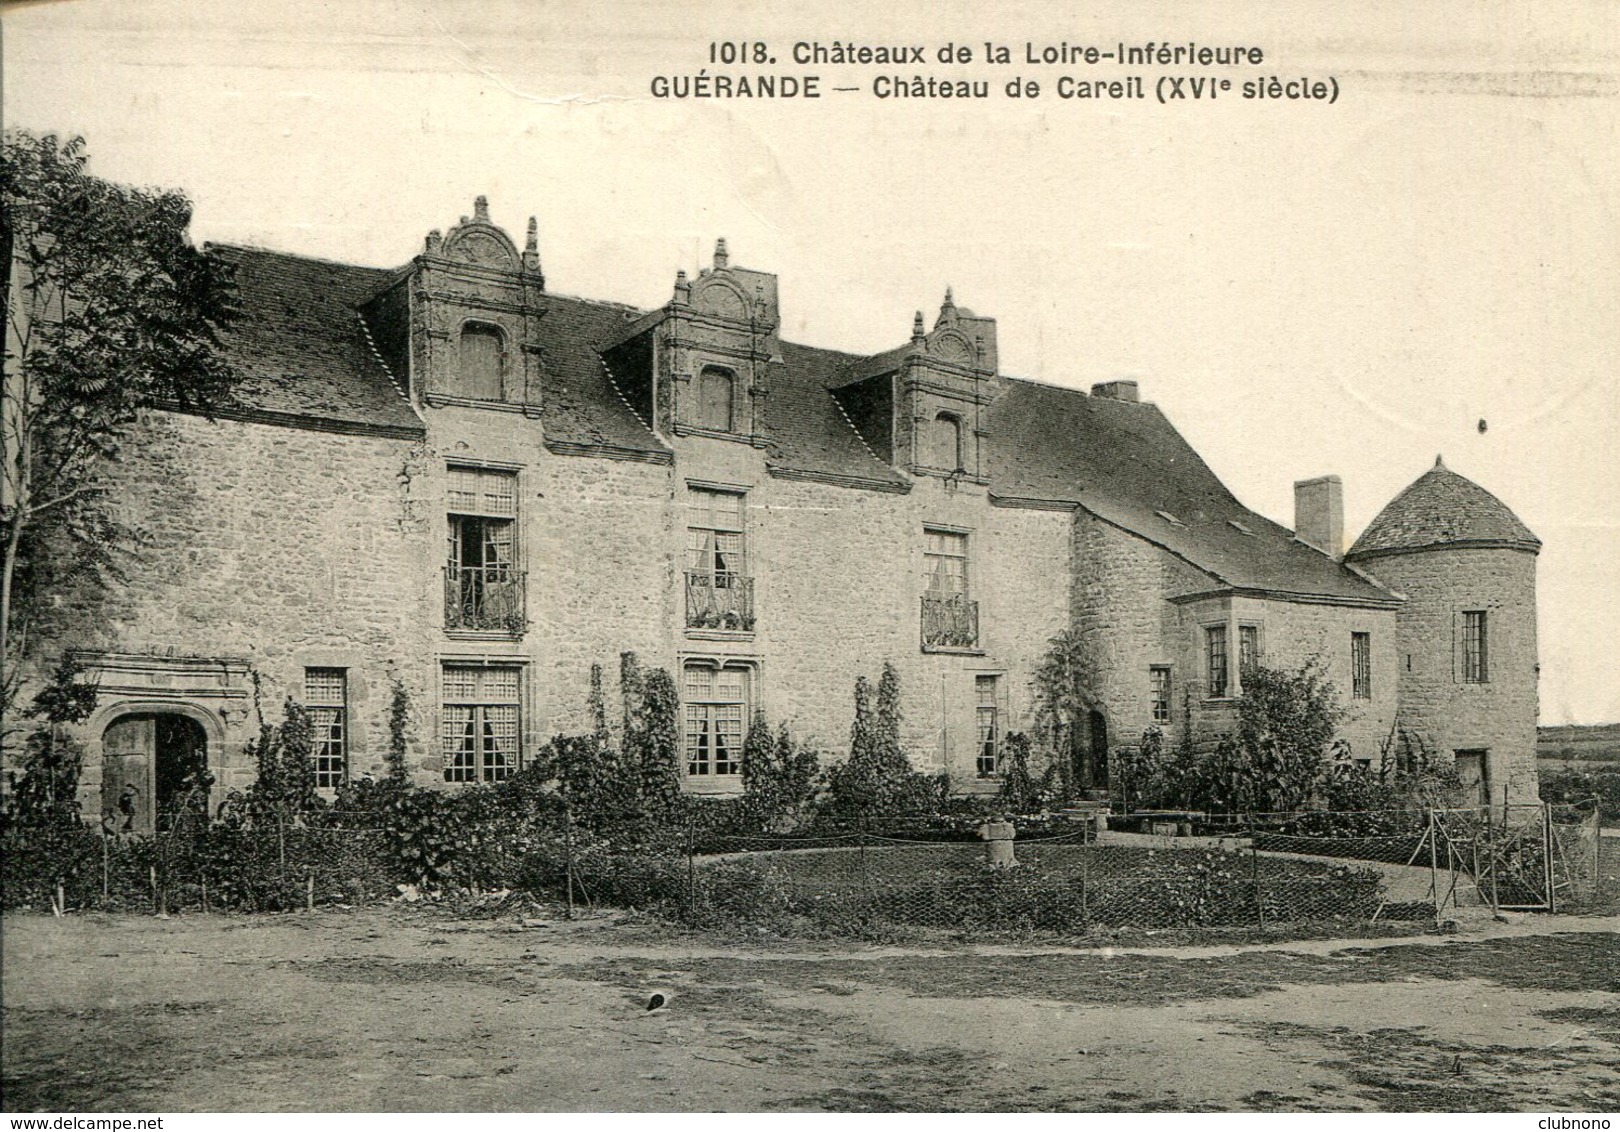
<point x="299" y="344"/>
<point x="807" y="429"/>
<point x="1126" y="463"/>
<point x="580" y="402"/>
<point x="305" y="356"/>
<point x="1442" y="508"/>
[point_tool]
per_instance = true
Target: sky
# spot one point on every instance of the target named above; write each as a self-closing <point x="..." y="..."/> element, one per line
<point x="1303" y="287"/>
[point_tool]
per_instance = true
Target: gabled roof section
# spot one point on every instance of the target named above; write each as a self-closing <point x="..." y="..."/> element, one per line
<point x="1125" y="463"/>
<point x="806" y="429"/>
<point x="301" y="348"/>
<point x="1443" y="509"/>
<point x="584" y="412"/>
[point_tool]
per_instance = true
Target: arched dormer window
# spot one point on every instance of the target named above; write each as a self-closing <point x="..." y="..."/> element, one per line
<point x="479" y="363"/>
<point x="948" y="452"/>
<point x="716" y="389"/>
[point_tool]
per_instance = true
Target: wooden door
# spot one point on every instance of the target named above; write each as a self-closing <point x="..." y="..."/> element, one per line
<point x="129" y="749"/>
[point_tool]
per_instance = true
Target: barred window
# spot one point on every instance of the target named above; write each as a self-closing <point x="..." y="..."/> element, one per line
<point x="988" y="710"/>
<point x="326" y="697"/>
<point x="1361" y="666"/>
<point x="1475" y="648"/>
<point x="1215" y="659"/>
<point x="716" y="707"/>
<point x="1159" y="674"/>
<point x="481" y="722"/>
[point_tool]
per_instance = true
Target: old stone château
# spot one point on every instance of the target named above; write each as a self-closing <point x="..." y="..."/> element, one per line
<point x="450" y="475"/>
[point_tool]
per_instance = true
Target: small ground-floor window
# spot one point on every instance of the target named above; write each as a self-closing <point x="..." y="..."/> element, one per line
<point x="326" y="697"/>
<point x="716" y="704"/>
<point x="481" y="722"/>
<point x="988" y="713"/>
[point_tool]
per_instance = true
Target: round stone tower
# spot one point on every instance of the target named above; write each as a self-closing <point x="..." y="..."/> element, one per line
<point x="1466" y="634"/>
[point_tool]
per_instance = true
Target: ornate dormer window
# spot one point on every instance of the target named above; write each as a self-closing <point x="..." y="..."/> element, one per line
<point x="476" y="305"/>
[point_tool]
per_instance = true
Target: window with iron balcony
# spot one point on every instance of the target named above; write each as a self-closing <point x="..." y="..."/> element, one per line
<point x="950" y="620"/>
<point x="719" y="589"/>
<point x="483" y="589"/>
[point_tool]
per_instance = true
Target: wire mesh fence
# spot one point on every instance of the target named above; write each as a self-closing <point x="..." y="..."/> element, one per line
<point x="1260" y="871"/>
<point x="274" y="863"/>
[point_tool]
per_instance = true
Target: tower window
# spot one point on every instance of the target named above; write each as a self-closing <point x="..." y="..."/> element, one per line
<point x="1160" y="676"/>
<point x="1361" y="666"/>
<point x="1476" y="667"/>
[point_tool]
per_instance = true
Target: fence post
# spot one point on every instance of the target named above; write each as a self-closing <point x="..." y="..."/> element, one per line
<point x="1254" y="875"/>
<point x="309" y="892"/>
<point x="1597" y="849"/>
<point x="568" y="855"/>
<point x="1547" y="857"/>
<point x="860" y="843"/>
<point x="1491" y="856"/>
<point x="1434" y="871"/>
<point x="1085" y="884"/>
<point x="106" y="870"/>
<point x="691" y="867"/>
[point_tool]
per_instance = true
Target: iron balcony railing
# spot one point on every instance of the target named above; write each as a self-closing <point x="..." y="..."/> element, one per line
<point x="487" y="598"/>
<point x="949" y="621"/>
<point x="719" y="600"/>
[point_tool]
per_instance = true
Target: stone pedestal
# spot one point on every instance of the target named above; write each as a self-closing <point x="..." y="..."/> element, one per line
<point x="998" y="837"/>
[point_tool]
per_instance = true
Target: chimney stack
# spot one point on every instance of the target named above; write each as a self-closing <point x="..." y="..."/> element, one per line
<point x="1319" y="514"/>
<point x="1116" y="390"/>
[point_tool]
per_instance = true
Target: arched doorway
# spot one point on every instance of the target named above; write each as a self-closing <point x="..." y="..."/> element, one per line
<point x="1097" y="760"/>
<point x="153" y="765"/>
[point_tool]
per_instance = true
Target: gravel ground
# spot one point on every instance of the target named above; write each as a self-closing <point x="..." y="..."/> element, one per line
<point x="405" y="1009"/>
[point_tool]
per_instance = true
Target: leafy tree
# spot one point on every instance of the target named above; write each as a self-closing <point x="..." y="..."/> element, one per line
<point x="110" y="311"/>
<point x="47" y="791"/>
<point x="877" y="778"/>
<point x="1286" y="722"/>
<point x="1065" y="695"/>
<point x="778" y="774"/>
<point x="657" y="744"/>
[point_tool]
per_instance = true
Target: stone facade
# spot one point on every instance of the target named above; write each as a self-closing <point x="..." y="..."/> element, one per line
<point x="447" y="470"/>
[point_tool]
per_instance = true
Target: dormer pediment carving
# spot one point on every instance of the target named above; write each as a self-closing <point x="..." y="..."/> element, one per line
<point x="477" y="241"/>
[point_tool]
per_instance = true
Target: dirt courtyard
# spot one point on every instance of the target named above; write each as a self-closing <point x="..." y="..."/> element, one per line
<point x="403" y="1009"/>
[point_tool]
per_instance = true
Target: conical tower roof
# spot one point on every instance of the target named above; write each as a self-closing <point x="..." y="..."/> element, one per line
<point x="1443" y="509"/>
